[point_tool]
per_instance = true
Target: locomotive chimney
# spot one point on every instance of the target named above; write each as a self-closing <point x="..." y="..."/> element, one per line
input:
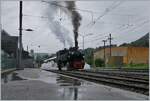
<point x="75" y="38"/>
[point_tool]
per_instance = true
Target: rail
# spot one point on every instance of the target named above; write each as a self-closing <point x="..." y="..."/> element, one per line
<point x="123" y="82"/>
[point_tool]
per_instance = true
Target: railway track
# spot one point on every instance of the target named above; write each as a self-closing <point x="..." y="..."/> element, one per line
<point x="140" y="75"/>
<point x="123" y="82"/>
<point x="123" y="70"/>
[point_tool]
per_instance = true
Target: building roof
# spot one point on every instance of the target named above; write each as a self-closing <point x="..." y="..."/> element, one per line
<point x="122" y="47"/>
<point x="101" y="47"/>
<point x="8" y="43"/>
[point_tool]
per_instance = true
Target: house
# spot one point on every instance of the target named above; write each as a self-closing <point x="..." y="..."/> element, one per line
<point x="9" y="47"/>
<point x="124" y="55"/>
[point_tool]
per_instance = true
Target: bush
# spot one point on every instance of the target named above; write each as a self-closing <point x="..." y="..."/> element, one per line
<point x="99" y="63"/>
<point x="89" y="60"/>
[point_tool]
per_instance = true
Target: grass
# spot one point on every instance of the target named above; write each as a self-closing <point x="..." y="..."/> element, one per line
<point x="137" y="66"/>
<point x="129" y="66"/>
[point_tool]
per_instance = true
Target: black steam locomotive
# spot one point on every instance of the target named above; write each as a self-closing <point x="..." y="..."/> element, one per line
<point x="72" y="58"/>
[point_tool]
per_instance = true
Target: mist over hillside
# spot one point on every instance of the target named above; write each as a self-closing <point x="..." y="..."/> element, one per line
<point x="141" y="42"/>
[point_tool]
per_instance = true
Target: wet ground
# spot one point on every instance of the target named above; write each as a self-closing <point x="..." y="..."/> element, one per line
<point x="37" y="84"/>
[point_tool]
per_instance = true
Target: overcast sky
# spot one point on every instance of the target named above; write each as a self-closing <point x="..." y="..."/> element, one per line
<point x="126" y="21"/>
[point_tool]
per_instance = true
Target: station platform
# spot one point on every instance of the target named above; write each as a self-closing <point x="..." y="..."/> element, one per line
<point x="37" y="84"/>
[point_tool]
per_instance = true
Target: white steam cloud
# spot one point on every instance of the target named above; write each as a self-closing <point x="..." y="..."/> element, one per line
<point x="60" y="32"/>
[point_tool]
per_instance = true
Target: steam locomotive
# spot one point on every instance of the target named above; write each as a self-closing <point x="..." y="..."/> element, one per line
<point x="72" y="58"/>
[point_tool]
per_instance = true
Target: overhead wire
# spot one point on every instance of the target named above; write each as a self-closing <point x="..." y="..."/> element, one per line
<point x="53" y="3"/>
<point x="110" y="8"/>
<point x="145" y="22"/>
<point x="132" y="26"/>
<point x="107" y="10"/>
<point x="89" y="11"/>
<point x="95" y="39"/>
<point x="35" y="16"/>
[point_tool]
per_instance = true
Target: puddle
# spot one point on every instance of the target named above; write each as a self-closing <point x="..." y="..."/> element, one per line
<point x="11" y="77"/>
<point x="62" y="81"/>
<point x="69" y="93"/>
<point x="68" y="87"/>
<point x="16" y="77"/>
<point x="59" y="79"/>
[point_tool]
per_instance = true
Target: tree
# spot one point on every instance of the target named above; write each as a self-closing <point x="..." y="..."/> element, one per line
<point x="99" y="63"/>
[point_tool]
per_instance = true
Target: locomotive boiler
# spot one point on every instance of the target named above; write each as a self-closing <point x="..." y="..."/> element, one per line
<point x="71" y="58"/>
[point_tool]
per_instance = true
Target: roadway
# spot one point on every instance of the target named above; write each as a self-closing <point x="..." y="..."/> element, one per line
<point x="37" y="84"/>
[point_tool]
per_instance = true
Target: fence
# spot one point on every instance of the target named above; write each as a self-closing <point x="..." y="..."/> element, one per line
<point x="7" y="63"/>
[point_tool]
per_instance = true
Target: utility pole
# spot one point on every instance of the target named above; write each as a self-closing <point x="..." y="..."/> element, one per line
<point x="110" y="38"/>
<point x="27" y="47"/>
<point x="19" y="52"/>
<point x="64" y="44"/>
<point x="104" y="50"/>
<point x="20" y="36"/>
<point x="83" y="36"/>
<point x="83" y="42"/>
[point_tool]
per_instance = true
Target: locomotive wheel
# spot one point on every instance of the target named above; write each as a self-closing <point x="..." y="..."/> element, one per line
<point x="69" y="67"/>
<point x="59" y="68"/>
<point x="59" y="65"/>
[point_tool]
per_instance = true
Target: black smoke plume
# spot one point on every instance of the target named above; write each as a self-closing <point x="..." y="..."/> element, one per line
<point x="76" y="19"/>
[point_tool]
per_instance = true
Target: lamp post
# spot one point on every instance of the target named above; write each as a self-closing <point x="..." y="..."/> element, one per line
<point x="28" y="29"/>
<point x="20" y="35"/>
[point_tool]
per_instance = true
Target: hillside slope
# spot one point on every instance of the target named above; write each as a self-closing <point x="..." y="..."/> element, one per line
<point x="143" y="42"/>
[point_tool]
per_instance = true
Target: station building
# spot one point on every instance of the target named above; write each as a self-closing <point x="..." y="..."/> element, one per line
<point x="9" y="48"/>
<point x="123" y="55"/>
